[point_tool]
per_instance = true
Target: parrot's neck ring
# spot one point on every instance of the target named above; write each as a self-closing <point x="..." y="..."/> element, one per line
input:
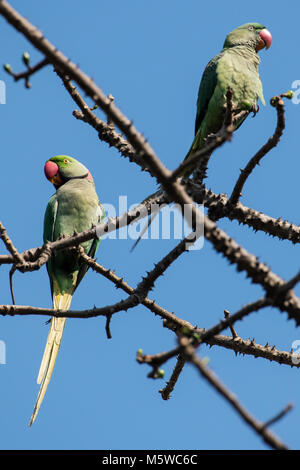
<point x="77" y="177"/>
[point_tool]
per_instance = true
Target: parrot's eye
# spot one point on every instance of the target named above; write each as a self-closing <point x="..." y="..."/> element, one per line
<point x="66" y="160"/>
<point x="250" y="28"/>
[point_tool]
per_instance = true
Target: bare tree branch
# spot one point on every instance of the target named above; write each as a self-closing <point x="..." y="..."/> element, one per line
<point x="168" y="389"/>
<point x="272" y="142"/>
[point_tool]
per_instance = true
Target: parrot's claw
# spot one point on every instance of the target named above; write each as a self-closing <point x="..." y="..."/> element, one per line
<point x="255" y="109"/>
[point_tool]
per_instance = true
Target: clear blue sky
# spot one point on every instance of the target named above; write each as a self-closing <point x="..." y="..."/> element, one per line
<point x="150" y="56"/>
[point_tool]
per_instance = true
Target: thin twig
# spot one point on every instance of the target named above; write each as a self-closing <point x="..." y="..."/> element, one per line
<point x="279" y="416"/>
<point x="29" y="72"/>
<point x="198" y="336"/>
<point x="11" y="273"/>
<point x="239" y="315"/>
<point x="18" y="258"/>
<point x="107" y="326"/>
<point x="255" y="160"/>
<point x="170" y="385"/>
<point x="155" y="361"/>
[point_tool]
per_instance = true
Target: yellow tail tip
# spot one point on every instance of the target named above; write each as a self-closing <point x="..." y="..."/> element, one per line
<point x="60" y="302"/>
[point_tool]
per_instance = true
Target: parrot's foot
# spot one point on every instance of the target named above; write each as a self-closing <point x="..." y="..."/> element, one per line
<point x="252" y="108"/>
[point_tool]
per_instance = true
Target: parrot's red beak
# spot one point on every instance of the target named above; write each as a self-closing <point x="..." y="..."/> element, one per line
<point x="265" y="40"/>
<point x="52" y="173"/>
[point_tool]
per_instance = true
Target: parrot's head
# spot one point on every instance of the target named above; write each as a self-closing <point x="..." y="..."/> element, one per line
<point x="250" y="34"/>
<point x="60" y="169"/>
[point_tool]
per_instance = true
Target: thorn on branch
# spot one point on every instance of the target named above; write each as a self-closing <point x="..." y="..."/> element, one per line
<point x="233" y="332"/>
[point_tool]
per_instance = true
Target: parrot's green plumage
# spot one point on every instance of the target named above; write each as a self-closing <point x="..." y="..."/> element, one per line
<point x="74" y="207"/>
<point x="235" y="67"/>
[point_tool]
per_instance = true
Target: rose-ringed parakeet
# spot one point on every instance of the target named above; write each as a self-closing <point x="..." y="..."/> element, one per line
<point x="234" y="68"/>
<point x="74" y="207"/>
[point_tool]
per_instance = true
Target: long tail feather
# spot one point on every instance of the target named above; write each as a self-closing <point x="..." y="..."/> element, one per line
<point x="148" y="223"/>
<point x="150" y="218"/>
<point x="61" y="302"/>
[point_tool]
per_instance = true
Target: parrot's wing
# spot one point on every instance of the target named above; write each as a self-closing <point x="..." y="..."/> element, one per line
<point x="206" y="89"/>
<point x="100" y="216"/>
<point x="49" y="226"/>
<point x="49" y="219"/>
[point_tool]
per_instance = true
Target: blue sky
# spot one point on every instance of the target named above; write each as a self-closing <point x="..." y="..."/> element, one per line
<point x="150" y="56"/>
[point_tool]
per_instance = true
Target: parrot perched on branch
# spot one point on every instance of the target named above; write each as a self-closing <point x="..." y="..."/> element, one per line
<point x="74" y="207"/>
<point x="234" y="68"/>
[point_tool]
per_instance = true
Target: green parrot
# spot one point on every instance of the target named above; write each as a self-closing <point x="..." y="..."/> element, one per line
<point x="235" y="67"/>
<point x="74" y="207"/>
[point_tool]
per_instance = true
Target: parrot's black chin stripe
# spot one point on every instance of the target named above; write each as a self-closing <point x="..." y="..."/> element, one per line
<point x="65" y="180"/>
<point x="75" y="178"/>
<point x="78" y="177"/>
